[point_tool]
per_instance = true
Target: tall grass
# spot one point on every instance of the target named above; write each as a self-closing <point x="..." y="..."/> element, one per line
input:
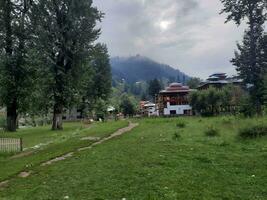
<point x="212" y="131"/>
<point x="254" y="131"/>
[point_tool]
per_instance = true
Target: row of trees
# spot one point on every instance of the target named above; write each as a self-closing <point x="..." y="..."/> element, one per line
<point x="251" y="55"/>
<point x="142" y="90"/>
<point x="49" y="59"/>
<point x="215" y="101"/>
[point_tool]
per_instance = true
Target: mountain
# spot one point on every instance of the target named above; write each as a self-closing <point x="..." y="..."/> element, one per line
<point x="139" y="68"/>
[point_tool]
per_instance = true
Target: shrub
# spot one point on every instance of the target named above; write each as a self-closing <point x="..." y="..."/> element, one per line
<point x="254" y="131"/>
<point x="180" y="124"/>
<point x="223" y="144"/>
<point x="246" y="107"/>
<point x="227" y="120"/>
<point x="212" y="131"/>
<point x="176" y="136"/>
<point x="2" y="123"/>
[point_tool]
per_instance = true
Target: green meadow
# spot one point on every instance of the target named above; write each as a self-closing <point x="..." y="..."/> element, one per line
<point x="161" y="159"/>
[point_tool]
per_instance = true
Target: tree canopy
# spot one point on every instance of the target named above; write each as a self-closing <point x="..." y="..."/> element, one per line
<point x="49" y="59"/>
<point x="250" y="58"/>
<point x="17" y="70"/>
<point x="66" y="30"/>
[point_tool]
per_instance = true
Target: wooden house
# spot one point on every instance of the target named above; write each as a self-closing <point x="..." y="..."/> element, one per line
<point x="174" y="100"/>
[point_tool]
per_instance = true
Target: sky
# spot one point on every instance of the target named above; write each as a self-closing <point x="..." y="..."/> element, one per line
<point x="189" y="35"/>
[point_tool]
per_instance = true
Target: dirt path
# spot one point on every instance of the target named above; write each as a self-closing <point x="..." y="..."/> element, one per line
<point x="115" y="134"/>
<point x="119" y="132"/>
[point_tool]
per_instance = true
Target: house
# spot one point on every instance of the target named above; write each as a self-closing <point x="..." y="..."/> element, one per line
<point x="148" y="109"/>
<point x="219" y="80"/>
<point x="174" y="100"/>
<point x="72" y="114"/>
<point x="2" y="112"/>
<point x="111" y="109"/>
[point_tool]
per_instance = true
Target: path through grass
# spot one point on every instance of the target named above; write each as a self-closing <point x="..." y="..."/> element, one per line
<point x="150" y="163"/>
<point x="60" y="142"/>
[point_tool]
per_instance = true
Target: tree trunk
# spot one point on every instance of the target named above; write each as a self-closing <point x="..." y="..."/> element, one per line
<point x="57" y="117"/>
<point x="12" y="117"/>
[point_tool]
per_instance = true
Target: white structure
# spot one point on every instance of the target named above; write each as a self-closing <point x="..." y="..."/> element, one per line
<point x="176" y="109"/>
<point x="150" y="109"/>
<point x="111" y="109"/>
<point x="174" y="100"/>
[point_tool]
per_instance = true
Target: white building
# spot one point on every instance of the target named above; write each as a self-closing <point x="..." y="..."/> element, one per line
<point x="177" y="109"/>
<point x="174" y="100"/>
<point x="148" y="109"/>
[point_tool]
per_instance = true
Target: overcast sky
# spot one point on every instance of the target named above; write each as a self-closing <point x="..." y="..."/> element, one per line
<point x="187" y="34"/>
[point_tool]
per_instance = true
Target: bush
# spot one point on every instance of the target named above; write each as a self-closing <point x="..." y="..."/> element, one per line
<point x="227" y="120"/>
<point x="254" y="131"/>
<point x="212" y="131"/>
<point x="176" y="136"/>
<point x="180" y="124"/>
<point x="2" y="123"/>
<point x="247" y="108"/>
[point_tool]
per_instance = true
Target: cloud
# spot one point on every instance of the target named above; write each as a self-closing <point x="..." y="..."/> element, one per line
<point x="186" y="34"/>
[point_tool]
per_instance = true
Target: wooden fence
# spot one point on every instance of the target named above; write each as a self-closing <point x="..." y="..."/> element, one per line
<point x="11" y="144"/>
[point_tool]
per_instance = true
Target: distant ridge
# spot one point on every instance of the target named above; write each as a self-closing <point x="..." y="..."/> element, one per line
<point x="139" y="68"/>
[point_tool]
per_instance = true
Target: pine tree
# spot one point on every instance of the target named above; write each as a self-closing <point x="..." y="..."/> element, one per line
<point x="127" y="107"/>
<point x="247" y="59"/>
<point x="66" y="31"/>
<point x="193" y="82"/>
<point x="154" y="87"/>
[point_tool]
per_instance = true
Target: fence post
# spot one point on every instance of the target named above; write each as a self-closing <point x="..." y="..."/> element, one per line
<point x="21" y="144"/>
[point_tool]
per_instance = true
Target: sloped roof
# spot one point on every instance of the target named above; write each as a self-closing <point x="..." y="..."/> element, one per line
<point x="176" y="88"/>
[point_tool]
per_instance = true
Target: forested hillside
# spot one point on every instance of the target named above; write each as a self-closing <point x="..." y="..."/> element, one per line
<point x="138" y="68"/>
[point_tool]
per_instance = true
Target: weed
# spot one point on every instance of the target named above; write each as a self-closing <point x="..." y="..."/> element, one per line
<point x="212" y="131"/>
<point x="227" y="120"/>
<point x="176" y="135"/>
<point x="254" y="131"/>
<point x="180" y="124"/>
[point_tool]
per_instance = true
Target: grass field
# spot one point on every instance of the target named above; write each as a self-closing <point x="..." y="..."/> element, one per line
<point x="51" y="144"/>
<point x="157" y="160"/>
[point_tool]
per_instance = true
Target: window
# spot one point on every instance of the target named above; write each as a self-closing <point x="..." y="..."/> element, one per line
<point x="173" y="112"/>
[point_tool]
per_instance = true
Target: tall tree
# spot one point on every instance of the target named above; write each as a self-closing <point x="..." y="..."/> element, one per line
<point x="264" y="61"/>
<point x="127" y="106"/>
<point x="265" y="91"/>
<point x="96" y="79"/>
<point x="102" y="72"/>
<point x="193" y="82"/>
<point x="154" y="87"/>
<point x="66" y="31"/>
<point x="248" y="58"/>
<point x="15" y="42"/>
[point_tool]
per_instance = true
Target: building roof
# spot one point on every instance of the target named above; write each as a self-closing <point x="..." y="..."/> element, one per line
<point x="111" y="109"/>
<point x="220" y="79"/>
<point x="176" y="88"/>
<point x="218" y="74"/>
<point x="150" y="105"/>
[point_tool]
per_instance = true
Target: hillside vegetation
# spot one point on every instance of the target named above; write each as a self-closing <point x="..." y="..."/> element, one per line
<point x="138" y="68"/>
